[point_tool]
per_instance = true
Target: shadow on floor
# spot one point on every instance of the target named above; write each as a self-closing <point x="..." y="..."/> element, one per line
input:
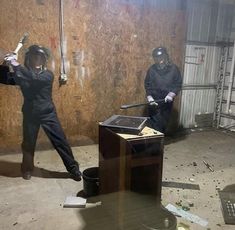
<point x="173" y="138"/>
<point x="126" y="210"/>
<point x="90" y="199"/>
<point x="229" y="188"/>
<point x="12" y="169"/>
<point x="82" y="194"/>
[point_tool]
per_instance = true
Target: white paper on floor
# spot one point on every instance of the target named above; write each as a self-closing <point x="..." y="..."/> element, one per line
<point x="74" y="202"/>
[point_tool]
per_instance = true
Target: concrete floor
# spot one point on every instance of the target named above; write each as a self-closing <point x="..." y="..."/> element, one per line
<point x="38" y="203"/>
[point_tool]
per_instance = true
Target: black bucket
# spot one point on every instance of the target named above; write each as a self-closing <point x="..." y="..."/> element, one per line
<point x="91" y="181"/>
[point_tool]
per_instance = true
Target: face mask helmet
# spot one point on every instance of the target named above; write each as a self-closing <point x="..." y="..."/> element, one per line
<point x="161" y="58"/>
<point x="36" y="58"/>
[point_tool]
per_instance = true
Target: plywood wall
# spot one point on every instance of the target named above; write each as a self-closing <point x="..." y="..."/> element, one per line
<point x="108" y="46"/>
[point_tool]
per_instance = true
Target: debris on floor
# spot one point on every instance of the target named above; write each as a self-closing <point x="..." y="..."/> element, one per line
<point x="188" y="216"/>
<point x="22" y="208"/>
<point x="173" y="184"/>
<point x="185" y="205"/>
<point x="208" y="166"/>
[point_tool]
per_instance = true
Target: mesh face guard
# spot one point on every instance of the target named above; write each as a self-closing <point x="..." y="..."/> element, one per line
<point x="36" y="58"/>
<point x="161" y="58"/>
<point x="37" y="61"/>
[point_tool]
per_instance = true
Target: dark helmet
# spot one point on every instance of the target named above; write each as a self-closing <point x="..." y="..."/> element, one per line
<point x="159" y="51"/>
<point x="161" y="57"/>
<point x="36" y="57"/>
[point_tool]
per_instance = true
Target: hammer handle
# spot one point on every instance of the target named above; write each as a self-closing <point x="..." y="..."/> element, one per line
<point x="139" y="104"/>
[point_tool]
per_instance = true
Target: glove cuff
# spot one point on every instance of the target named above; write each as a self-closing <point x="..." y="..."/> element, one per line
<point x="171" y="94"/>
<point x="14" y="62"/>
<point x="150" y="98"/>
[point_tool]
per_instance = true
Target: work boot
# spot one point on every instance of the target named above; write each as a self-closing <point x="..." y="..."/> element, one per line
<point x="75" y="173"/>
<point x="27" y="165"/>
<point x="26" y="175"/>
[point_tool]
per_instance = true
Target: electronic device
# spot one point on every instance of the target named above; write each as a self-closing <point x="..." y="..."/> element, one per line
<point x="125" y="124"/>
<point x="228" y="206"/>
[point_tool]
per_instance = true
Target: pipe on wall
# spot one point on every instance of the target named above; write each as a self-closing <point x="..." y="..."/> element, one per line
<point x="228" y="116"/>
<point x="231" y="102"/>
<point x="230" y="82"/>
<point x="198" y="86"/>
<point x="63" y="74"/>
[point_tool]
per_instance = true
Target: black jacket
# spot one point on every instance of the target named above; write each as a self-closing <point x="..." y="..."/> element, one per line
<point x="158" y="83"/>
<point x="36" y="90"/>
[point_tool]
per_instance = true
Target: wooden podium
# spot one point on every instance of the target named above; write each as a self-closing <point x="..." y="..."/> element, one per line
<point x="131" y="162"/>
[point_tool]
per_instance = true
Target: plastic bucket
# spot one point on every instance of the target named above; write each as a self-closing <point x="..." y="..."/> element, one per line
<point x="91" y="181"/>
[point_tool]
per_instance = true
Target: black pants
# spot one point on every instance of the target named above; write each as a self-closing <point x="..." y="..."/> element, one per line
<point x="51" y="125"/>
<point x="160" y="116"/>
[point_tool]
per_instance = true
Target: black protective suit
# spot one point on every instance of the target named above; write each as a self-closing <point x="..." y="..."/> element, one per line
<point x="38" y="110"/>
<point x="158" y="83"/>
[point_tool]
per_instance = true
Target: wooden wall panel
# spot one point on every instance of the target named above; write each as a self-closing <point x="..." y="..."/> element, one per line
<point x="108" y="50"/>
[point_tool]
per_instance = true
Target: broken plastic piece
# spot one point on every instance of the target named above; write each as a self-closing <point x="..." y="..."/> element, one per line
<point x="187" y="215"/>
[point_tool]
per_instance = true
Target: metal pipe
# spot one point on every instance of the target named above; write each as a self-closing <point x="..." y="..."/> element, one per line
<point x="217" y="44"/>
<point x="229" y="126"/>
<point x="197" y="86"/>
<point x="226" y="87"/>
<point x="218" y="88"/>
<point x="231" y="102"/>
<point x="63" y="75"/>
<point x="142" y="104"/>
<point x="226" y="115"/>
<point x="222" y="85"/>
<point x="230" y="82"/>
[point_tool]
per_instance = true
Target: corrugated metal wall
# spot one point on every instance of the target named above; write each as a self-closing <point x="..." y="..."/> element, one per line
<point x="226" y="32"/>
<point x="199" y="86"/>
<point x="225" y="21"/>
<point x="200" y="19"/>
<point x="228" y="117"/>
<point x="160" y="4"/>
<point x="209" y="22"/>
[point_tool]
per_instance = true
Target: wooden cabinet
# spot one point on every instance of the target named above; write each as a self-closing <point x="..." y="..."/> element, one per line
<point x="130" y="162"/>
